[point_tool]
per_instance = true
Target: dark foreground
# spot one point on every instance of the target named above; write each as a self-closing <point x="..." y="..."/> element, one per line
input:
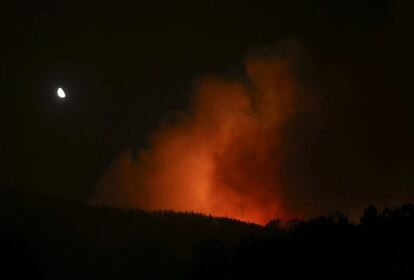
<point x="44" y="238"/>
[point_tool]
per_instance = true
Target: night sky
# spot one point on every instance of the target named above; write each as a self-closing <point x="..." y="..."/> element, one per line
<point x="127" y="70"/>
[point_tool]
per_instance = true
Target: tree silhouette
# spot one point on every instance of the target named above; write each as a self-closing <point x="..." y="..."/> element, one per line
<point x="48" y="238"/>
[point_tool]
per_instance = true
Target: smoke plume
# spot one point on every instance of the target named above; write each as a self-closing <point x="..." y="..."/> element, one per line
<point x="223" y="156"/>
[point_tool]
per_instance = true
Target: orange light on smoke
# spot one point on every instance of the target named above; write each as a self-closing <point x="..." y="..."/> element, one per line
<point x="221" y="158"/>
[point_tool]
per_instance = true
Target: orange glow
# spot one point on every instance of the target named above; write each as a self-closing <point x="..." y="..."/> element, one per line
<point x="221" y="158"/>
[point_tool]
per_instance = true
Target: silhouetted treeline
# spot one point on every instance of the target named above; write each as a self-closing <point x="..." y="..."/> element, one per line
<point x="381" y="245"/>
<point x="76" y="241"/>
<point x="55" y="239"/>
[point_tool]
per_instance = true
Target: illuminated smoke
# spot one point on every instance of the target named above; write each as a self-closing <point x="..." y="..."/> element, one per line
<point x="222" y="157"/>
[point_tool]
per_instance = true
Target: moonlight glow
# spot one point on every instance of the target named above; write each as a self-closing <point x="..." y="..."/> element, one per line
<point x="61" y="93"/>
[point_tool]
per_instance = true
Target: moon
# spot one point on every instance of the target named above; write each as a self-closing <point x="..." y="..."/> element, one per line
<point x="61" y="93"/>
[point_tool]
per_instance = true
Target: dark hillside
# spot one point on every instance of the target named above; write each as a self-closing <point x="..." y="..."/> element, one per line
<point x="80" y="241"/>
<point x="45" y="238"/>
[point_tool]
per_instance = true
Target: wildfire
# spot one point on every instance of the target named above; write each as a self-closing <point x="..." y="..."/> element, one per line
<point x="222" y="158"/>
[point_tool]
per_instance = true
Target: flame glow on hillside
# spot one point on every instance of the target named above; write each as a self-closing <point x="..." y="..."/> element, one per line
<point x="221" y="158"/>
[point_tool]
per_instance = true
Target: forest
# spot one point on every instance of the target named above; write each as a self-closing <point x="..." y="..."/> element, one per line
<point x="49" y="238"/>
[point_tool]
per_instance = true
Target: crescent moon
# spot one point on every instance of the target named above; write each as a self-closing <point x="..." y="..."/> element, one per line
<point x="61" y="93"/>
